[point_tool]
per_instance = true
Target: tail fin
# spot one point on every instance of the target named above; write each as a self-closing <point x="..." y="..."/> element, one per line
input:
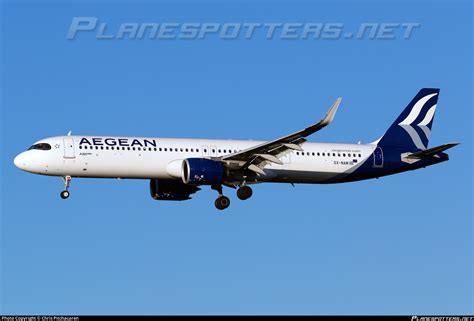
<point x="412" y="128"/>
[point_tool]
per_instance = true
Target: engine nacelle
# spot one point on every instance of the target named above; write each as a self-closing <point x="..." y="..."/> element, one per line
<point x="171" y="190"/>
<point x="202" y="171"/>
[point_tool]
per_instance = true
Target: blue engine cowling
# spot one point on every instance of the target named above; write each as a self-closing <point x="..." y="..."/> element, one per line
<point x="202" y="171"/>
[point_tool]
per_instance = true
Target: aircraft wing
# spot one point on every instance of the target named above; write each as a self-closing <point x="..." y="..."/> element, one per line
<point x="255" y="158"/>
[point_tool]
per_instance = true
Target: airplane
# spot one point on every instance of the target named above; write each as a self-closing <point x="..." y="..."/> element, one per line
<point x="177" y="168"/>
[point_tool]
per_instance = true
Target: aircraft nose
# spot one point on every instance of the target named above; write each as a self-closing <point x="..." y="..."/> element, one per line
<point x="20" y="161"/>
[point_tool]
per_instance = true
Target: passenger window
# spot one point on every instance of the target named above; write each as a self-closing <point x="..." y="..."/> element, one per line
<point x="318" y="154"/>
<point x="80" y="147"/>
<point x="101" y="147"/>
<point x="197" y="150"/>
<point x="344" y="155"/>
<point x="360" y="155"/>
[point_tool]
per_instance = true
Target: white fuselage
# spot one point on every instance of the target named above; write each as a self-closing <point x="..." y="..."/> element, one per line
<point x="161" y="158"/>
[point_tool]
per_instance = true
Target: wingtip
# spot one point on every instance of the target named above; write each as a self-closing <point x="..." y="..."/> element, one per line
<point x="337" y="103"/>
<point x="332" y="111"/>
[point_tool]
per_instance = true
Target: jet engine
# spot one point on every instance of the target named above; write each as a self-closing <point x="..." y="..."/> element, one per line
<point x="202" y="171"/>
<point x="171" y="190"/>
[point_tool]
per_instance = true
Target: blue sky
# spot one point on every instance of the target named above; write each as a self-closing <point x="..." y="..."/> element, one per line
<point x="400" y="244"/>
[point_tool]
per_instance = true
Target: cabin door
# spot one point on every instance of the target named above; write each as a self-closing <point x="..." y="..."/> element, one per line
<point x="378" y="157"/>
<point x="69" y="151"/>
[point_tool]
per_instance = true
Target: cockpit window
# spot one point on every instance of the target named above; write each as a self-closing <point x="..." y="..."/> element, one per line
<point x="41" y="146"/>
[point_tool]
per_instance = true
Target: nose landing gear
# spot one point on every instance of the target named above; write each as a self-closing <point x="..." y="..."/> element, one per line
<point x="67" y="182"/>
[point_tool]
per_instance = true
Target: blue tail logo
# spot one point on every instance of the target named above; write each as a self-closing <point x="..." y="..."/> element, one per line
<point x="412" y="129"/>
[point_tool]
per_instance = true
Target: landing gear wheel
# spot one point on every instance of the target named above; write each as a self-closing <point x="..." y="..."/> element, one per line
<point x="222" y="202"/>
<point x="64" y="194"/>
<point x="244" y="192"/>
<point x="67" y="182"/>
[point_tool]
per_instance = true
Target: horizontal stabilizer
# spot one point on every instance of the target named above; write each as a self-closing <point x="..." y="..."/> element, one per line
<point x="431" y="151"/>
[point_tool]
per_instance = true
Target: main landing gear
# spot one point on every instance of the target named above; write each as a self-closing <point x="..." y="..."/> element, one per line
<point x="67" y="182"/>
<point x="222" y="202"/>
<point x="244" y="192"/>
